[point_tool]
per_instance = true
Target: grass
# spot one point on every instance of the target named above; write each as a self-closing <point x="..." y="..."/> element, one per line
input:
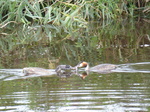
<point x="68" y="12"/>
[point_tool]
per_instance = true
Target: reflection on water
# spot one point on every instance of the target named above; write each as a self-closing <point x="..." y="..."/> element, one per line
<point x="125" y="41"/>
<point x="117" y="91"/>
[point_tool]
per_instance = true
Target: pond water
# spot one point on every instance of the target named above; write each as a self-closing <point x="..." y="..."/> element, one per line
<point x="125" y="89"/>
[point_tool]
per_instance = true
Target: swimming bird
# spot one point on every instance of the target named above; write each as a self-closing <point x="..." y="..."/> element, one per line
<point x="36" y="70"/>
<point x="102" y="68"/>
<point x="42" y="71"/>
<point x="59" y="68"/>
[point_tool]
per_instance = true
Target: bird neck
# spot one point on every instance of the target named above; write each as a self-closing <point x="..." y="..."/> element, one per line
<point x="87" y="67"/>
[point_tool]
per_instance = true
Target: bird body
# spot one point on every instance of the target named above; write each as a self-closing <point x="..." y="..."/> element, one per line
<point x="64" y="67"/>
<point x="98" y="68"/>
<point x="36" y="70"/>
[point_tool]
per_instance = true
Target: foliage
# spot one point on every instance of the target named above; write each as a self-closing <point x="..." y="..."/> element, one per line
<point x="68" y="12"/>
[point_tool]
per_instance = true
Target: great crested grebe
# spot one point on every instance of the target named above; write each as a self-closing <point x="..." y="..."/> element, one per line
<point x="36" y="70"/>
<point x="97" y="68"/>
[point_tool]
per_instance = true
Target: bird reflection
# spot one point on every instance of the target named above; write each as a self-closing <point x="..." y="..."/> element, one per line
<point x="64" y="74"/>
<point x="83" y="75"/>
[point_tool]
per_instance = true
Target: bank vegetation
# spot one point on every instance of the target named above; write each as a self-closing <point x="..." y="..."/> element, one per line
<point x="69" y="12"/>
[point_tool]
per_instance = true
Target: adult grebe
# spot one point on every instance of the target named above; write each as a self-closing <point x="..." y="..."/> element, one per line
<point x="36" y="70"/>
<point x="97" y="68"/>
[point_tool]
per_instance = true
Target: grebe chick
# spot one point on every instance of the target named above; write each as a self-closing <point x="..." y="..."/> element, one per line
<point x="36" y="70"/>
<point x="65" y="67"/>
<point x="97" y="68"/>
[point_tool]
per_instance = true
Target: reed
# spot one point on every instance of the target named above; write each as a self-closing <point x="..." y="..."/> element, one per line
<point x="69" y="12"/>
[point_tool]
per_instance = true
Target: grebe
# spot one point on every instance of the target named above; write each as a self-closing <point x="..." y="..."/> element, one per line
<point x="36" y="70"/>
<point x="97" y="68"/>
<point x="42" y="71"/>
<point x="66" y="68"/>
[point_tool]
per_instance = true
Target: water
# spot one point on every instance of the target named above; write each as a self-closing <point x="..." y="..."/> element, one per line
<point x="125" y="89"/>
<point x="118" y="91"/>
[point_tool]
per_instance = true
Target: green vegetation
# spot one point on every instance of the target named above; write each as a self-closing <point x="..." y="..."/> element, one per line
<point x="69" y="12"/>
<point x="100" y="42"/>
